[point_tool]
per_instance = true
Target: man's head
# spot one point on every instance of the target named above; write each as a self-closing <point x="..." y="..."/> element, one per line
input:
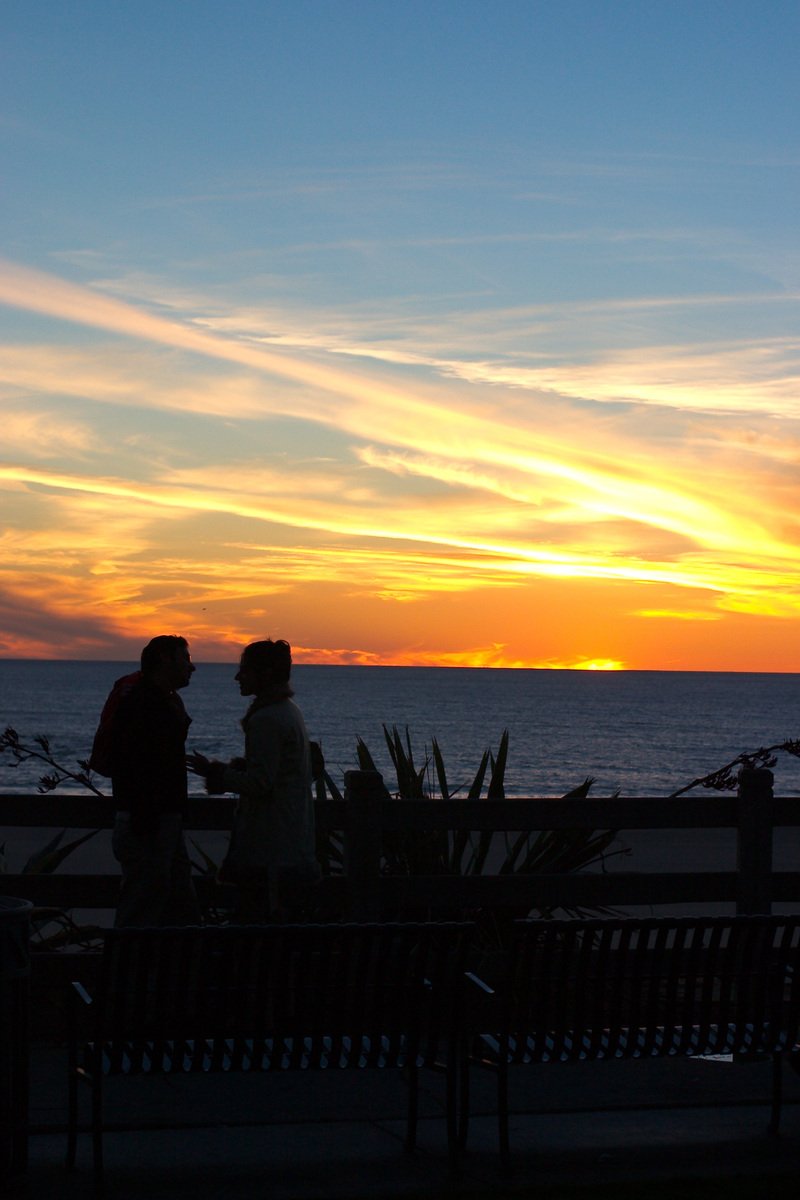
<point x="264" y="664"/>
<point x="166" y="662"/>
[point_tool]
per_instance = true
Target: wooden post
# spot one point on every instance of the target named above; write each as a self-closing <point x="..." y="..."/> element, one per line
<point x="754" y="841"/>
<point x="15" y="967"/>
<point x="363" y="792"/>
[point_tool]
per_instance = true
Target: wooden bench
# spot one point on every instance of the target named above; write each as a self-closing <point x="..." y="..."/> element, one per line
<point x="269" y="998"/>
<point x="605" y="989"/>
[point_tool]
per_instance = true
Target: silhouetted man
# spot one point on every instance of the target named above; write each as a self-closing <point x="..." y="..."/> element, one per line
<point x="148" y="778"/>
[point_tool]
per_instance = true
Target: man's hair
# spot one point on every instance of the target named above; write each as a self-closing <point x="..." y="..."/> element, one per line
<point x="273" y="656"/>
<point x="161" y="648"/>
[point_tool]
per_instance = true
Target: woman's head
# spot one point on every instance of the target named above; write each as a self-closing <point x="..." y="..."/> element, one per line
<point x="264" y="665"/>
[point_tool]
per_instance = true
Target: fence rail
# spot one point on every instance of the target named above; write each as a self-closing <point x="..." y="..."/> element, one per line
<point x="366" y="815"/>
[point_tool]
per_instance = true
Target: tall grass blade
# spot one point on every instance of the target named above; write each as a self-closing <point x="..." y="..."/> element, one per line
<point x="476" y="786"/>
<point x="365" y="760"/>
<point x="441" y="773"/>
<point x="581" y="791"/>
<point x="497" y="789"/>
<point x="51" y="856"/>
<point x="210" y="866"/>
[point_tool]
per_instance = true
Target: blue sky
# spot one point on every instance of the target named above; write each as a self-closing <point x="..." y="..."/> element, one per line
<point x="434" y="310"/>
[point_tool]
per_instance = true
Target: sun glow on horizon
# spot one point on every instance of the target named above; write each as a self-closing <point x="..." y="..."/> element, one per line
<point x="600" y="664"/>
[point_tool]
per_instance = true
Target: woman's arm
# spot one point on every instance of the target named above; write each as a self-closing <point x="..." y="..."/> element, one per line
<point x="254" y="776"/>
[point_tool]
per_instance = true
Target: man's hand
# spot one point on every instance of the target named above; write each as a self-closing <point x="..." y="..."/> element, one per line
<point x="198" y="764"/>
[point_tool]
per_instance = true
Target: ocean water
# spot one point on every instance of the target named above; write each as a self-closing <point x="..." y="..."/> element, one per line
<point x="642" y="733"/>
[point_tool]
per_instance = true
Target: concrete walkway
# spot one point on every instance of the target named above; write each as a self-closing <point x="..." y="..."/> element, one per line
<point x="576" y="1130"/>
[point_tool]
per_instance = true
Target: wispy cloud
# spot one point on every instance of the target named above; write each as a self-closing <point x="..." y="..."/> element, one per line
<point x="761" y="378"/>
<point x="739" y="373"/>
<point x="45" y="433"/>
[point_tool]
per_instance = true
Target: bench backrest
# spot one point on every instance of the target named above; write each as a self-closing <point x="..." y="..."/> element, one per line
<point x="320" y="991"/>
<point x="617" y="988"/>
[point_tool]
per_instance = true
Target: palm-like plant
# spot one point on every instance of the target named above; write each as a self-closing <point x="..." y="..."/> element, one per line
<point x="20" y="752"/>
<point x="462" y="852"/>
<point x="52" y="928"/>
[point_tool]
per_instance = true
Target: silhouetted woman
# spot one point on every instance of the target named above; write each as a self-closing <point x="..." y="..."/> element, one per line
<point x="271" y="858"/>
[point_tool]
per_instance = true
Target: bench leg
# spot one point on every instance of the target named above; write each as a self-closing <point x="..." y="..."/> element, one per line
<point x="451" y="1092"/>
<point x="412" y="1111"/>
<point x="463" y="1101"/>
<point x="502" y="1118"/>
<point x="72" y="1116"/>
<point x="97" y="1135"/>
<point x="777" y="1092"/>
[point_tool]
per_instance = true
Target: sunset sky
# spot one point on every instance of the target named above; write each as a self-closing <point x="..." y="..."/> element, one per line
<point x="459" y="332"/>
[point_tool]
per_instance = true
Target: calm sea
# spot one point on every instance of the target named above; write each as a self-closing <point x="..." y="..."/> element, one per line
<point x="639" y="732"/>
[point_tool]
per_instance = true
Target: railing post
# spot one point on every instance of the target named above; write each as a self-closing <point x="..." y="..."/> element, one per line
<point x="15" y="920"/>
<point x="363" y="791"/>
<point x="754" y="841"/>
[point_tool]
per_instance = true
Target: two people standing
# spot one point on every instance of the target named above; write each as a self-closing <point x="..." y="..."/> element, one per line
<point x="271" y="858"/>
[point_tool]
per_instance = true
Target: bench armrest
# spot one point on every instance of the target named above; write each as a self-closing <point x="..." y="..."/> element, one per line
<point x="80" y="992"/>
<point x="480" y="1002"/>
<point x="479" y="983"/>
